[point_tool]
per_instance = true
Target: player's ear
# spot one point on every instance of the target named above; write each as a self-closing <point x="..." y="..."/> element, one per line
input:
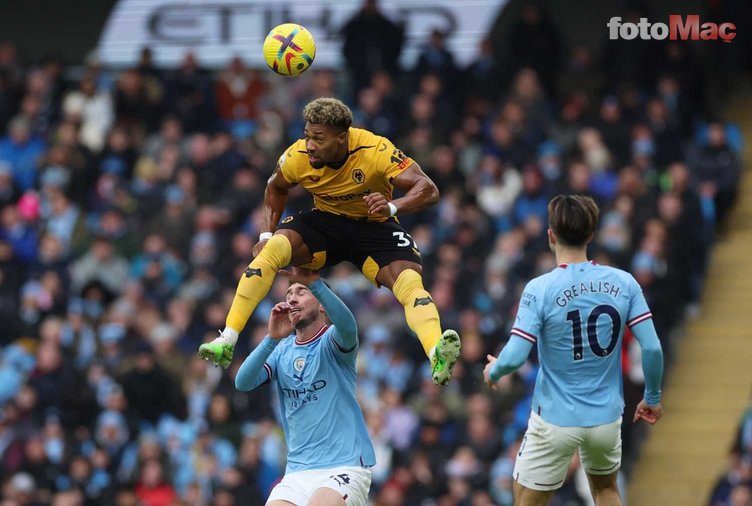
<point x="326" y="316"/>
<point x="551" y="237"/>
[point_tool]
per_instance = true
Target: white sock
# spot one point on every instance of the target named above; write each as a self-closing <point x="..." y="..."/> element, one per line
<point x="229" y="336"/>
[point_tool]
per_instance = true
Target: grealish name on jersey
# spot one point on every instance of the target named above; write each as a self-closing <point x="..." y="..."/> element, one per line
<point x="587" y="288"/>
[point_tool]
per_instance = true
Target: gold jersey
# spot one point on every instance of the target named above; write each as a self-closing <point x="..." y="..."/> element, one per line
<point x="372" y="163"/>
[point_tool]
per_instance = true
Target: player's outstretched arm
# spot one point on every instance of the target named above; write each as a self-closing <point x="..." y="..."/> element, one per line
<point x="510" y="359"/>
<point x="652" y="365"/>
<point x="345" y="326"/>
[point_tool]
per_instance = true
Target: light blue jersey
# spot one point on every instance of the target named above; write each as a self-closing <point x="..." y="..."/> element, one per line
<point x="323" y="423"/>
<point x="576" y="314"/>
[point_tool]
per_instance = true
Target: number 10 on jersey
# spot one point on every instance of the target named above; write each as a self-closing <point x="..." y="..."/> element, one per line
<point x="592" y="331"/>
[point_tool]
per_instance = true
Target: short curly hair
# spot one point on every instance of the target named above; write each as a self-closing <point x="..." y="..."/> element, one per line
<point x="328" y="111"/>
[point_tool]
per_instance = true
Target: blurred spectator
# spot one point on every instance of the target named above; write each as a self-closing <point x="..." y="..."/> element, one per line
<point x="497" y="188"/>
<point x="149" y="390"/>
<point x="481" y="78"/>
<point x="22" y="151"/>
<point x="152" y="488"/>
<point x="21" y="236"/>
<point x="170" y="134"/>
<point x="9" y="89"/>
<point x="40" y="104"/>
<point x="581" y="74"/>
<point x="718" y="169"/>
<point x="190" y="96"/>
<point x="100" y="263"/>
<point x="434" y="58"/>
<point x="15" y="365"/>
<point x="63" y="218"/>
<point x="571" y="120"/>
<point x="371" y="115"/>
<point x="160" y="271"/>
<point x="135" y="105"/>
<point x="174" y="224"/>
<point x="238" y="92"/>
<point x="371" y="43"/>
<point x="626" y="61"/>
<point x="9" y="191"/>
<point x="93" y="109"/>
<point x="536" y="42"/>
<point x="533" y="200"/>
<point x="733" y="488"/>
<point x="76" y="336"/>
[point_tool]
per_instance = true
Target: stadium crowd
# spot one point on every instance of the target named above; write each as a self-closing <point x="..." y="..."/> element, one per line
<point x="130" y="202"/>
<point x="734" y="487"/>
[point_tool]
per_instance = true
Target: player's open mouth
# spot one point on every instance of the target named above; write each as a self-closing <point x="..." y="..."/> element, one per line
<point x="313" y="159"/>
<point x="295" y="310"/>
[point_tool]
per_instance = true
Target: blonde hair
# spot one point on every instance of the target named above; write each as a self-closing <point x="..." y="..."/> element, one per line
<point x="328" y="111"/>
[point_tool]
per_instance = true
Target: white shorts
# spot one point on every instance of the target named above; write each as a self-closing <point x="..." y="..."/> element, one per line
<point x="352" y="483"/>
<point x="547" y="450"/>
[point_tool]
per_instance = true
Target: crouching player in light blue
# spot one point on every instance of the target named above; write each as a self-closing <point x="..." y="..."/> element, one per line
<point x="576" y="314"/>
<point x="310" y="353"/>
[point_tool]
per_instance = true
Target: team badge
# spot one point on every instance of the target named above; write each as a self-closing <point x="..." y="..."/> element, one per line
<point x="358" y="176"/>
<point x="299" y="364"/>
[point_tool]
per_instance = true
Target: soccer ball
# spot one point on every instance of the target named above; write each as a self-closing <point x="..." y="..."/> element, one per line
<point x="289" y="49"/>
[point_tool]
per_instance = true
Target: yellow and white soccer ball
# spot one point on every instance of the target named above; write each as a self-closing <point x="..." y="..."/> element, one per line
<point x="289" y="49"/>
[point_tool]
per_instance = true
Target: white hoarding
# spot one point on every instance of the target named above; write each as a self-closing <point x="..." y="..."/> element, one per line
<point x="218" y="30"/>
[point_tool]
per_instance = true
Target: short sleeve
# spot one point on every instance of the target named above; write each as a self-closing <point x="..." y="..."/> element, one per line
<point x="390" y="159"/>
<point x="529" y="320"/>
<point x="287" y="167"/>
<point x="638" y="306"/>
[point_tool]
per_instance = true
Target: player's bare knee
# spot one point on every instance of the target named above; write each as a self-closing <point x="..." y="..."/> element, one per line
<point x="394" y="271"/>
<point x="296" y="240"/>
<point x="388" y="274"/>
<point x="301" y="254"/>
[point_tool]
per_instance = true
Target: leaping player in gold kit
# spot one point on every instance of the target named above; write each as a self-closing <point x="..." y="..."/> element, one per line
<point x="351" y="174"/>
